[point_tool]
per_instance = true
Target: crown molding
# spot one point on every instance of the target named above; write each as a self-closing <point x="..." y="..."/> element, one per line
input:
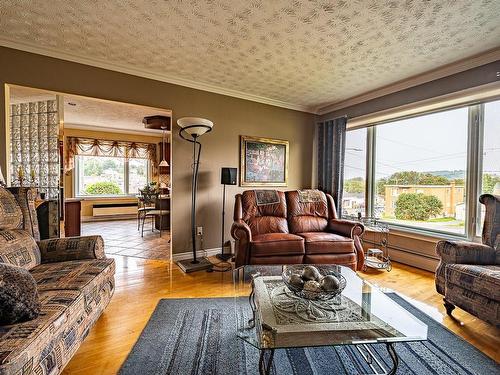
<point x="58" y="54"/>
<point x="432" y="75"/>
<point x="441" y="72"/>
<point x="148" y="132"/>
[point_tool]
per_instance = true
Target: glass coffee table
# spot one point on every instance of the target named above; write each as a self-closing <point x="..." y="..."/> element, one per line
<point x="275" y="318"/>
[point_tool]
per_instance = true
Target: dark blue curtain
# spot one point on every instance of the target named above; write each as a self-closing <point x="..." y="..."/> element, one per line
<point x="331" y="151"/>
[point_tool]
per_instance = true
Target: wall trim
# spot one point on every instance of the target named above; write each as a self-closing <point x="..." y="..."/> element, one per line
<point x="200" y="253"/>
<point x="58" y="54"/>
<point x="440" y="72"/>
<point x="488" y="91"/>
<point x="432" y="75"/>
<point x="147" y="132"/>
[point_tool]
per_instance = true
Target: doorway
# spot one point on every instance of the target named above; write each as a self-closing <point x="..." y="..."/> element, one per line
<point x="99" y="158"/>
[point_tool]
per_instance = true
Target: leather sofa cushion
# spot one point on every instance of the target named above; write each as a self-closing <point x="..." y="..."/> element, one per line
<point x="306" y="216"/>
<point x="327" y="243"/>
<point x="483" y="280"/>
<point x="266" y="218"/>
<point x="300" y="224"/>
<point x="250" y="207"/>
<point x="267" y="224"/>
<point x="270" y="244"/>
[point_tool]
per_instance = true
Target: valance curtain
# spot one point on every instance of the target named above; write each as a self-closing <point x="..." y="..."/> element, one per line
<point x="100" y="147"/>
<point x="34" y="132"/>
<point x="331" y="152"/>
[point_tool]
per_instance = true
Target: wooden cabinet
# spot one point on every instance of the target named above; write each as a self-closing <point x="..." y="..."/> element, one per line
<point x="72" y="217"/>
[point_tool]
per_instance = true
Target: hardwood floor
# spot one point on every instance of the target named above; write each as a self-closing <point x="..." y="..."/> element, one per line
<point x="141" y="283"/>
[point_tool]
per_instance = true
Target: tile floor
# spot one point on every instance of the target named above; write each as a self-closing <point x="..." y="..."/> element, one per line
<point x="122" y="237"/>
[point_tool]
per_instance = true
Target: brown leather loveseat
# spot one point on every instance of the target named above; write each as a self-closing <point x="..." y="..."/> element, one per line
<point x="293" y="227"/>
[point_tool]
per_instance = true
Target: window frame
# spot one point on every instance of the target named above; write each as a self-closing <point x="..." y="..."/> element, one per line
<point x="126" y="175"/>
<point x="474" y="161"/>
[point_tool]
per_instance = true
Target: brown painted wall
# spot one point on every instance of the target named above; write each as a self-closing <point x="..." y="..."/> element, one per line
<point x="232" y="117"/>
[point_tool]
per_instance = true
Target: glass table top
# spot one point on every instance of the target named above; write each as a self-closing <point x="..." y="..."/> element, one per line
<point x="362" y="314"/>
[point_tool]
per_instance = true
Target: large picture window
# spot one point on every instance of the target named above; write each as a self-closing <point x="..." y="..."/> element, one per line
<point x="109" y="176"/>
<point x="353" y="201"/>
<point x="423" y="170"/>
<point x="420" y="170"/>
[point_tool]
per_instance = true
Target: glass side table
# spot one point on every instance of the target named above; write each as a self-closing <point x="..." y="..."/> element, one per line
<point x="377" y="235"/>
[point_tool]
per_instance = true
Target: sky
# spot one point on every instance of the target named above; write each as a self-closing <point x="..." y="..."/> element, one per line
<point x="432" y="142"/>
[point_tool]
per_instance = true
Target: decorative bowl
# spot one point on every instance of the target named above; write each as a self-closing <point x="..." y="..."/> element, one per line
<point x="320" y="295"/>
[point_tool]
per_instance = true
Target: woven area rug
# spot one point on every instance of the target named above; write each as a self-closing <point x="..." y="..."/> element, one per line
<point x="197" y="336"/>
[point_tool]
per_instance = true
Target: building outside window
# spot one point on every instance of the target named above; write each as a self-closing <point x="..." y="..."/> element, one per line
<point x="109" y="176"/>
<point x="420" y="170"/>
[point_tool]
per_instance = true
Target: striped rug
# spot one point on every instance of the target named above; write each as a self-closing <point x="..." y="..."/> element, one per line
<point x="197" y="336"/>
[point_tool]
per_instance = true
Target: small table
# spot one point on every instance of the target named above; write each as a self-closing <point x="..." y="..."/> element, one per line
<point x="361" y="315"/>
<point x="376" y="257"/>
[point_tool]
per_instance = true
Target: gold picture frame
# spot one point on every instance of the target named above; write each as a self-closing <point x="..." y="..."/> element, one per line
<point x="263" y="161"/>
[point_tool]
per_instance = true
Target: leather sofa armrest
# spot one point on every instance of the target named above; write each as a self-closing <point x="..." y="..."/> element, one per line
<point x="351" y="229"/>
<point x="242" y="234"/>
<point x="71" y="248"/>
<point x="347" y="228"/>
<point x="241" y="229"/>
<point x="465" y="252"/>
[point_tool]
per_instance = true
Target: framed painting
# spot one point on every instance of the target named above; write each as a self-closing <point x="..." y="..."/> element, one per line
<point x="263" y="161"/>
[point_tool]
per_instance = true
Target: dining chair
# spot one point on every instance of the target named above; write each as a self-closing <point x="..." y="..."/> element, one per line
<point x="146" y="203"/>
<point x="153" y="213"/>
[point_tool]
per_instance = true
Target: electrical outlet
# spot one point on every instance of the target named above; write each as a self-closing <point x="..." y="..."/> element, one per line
<point x="199" y="231"/>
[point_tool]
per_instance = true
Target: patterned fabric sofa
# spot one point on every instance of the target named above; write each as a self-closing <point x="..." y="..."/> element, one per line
<point x="75" y="283"/>
<point x="468" y="274"/>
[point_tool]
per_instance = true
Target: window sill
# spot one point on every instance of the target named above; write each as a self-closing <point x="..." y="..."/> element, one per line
<point x="104" y="197"/>
<point x="424" y="234"/>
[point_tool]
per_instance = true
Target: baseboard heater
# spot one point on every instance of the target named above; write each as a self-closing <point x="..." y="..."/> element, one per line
<point x="114" y="209"/>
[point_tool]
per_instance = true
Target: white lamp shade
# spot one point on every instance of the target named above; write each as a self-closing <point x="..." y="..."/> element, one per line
<point x="197" y="125"/>
<point x="163" y="163"/>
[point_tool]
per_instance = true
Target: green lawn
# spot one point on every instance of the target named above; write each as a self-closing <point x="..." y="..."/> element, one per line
<point x="440" y="219"/>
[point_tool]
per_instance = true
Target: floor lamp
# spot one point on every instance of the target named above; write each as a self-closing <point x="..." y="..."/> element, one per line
<point x="191" y="129"/>
<point x="227" y="177"/>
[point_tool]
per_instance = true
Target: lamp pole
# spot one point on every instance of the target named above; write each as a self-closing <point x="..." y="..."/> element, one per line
<point x="194" y="186"/>
<point x="191" y="129"/>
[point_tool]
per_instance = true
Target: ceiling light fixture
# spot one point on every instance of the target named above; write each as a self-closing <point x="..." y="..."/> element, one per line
<point x="162" y="123"/>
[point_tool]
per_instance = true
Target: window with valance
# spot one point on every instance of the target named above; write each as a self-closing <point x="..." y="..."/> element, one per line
<point x="100" y="147"/>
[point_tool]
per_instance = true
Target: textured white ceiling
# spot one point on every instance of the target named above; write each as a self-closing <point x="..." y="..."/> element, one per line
<point x="305" y="53"/>
<point x="90" y="113"/>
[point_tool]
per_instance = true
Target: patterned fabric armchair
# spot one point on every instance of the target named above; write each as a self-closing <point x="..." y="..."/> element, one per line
<point x="468" y="274"/>
<point x="75" y="283"/>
